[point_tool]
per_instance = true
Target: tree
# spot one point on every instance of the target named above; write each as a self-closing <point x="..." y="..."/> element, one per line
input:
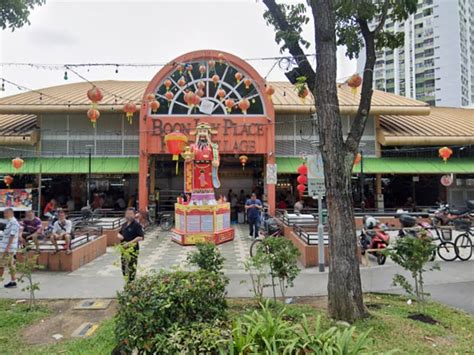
<point x="354" y="24"/>
<point x="14" y="13"/>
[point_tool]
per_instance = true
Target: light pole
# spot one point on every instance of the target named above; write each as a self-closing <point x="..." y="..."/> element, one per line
<point x="362" y="201"/>
<point x="89" y="147"/>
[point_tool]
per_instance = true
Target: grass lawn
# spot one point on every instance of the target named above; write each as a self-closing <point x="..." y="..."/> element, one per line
<point x="390" y="328"/>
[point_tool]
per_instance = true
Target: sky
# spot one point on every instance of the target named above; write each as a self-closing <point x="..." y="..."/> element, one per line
<point x="84" y="31"/>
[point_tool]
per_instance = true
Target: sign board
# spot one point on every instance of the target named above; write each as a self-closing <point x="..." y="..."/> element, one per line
<point x="271" y="174"/>
<point x="446" y="180"/>
<point x="315" y="175"/>
<point x="206" y="107"/>
<point x="18" y="199"/>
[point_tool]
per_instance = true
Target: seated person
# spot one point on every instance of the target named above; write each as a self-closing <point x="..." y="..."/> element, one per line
<point x="50" y="208"/>
<point x="62" y="230"/>
<point x="31" y="229"/>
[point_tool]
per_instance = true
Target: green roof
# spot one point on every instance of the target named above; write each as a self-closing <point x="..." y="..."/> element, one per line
<point x="288" y="165"/>
<point x="67" y="165"/>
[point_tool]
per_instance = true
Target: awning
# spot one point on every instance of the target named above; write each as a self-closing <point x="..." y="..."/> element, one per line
<point x="67" y="165"/>
<point x="288" y="165"/>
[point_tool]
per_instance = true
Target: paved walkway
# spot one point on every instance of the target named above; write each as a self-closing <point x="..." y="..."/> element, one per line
<point x="102" y="278"/>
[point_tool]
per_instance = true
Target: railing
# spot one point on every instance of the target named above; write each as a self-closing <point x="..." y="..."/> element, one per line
<point x="103" y="218"/>
<point x="309" y="235"/>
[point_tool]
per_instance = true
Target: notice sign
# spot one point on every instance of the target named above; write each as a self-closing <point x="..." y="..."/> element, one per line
<point x="271" y="174"/>
<point x="316" y="184"/>
<point x="206" y="107"/>
<point x="316" y="187"/>
<point x="18" y="199"/>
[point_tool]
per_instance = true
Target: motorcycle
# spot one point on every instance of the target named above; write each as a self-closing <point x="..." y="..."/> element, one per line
<point x="411" y="226"/>
<point x="374" y="237"/>
<point x="445" y="216"/>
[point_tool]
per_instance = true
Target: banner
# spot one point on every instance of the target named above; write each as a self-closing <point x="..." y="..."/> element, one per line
<point x="18" y="199"/>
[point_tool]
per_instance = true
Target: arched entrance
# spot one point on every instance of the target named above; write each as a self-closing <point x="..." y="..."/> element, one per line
<point x="222" y="81"/>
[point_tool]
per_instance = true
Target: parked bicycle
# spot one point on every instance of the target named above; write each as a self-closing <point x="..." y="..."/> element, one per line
<point x="410" y="227"/>
<point x="165" y="221"/>
<point x="270" y="228"/>
<point x="463" y="242"/>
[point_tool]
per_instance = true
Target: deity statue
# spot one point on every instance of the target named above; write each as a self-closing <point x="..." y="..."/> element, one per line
<point x="201" y="167"/>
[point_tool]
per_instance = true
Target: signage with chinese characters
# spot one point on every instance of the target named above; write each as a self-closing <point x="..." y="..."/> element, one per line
<point x="316" y="184"/>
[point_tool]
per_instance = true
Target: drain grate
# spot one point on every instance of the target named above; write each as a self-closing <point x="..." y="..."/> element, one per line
<point x="85" y="330"/>
<point x="92" y="304"/>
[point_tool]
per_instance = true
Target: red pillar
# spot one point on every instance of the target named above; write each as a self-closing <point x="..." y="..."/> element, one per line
<point x="271" y="194"/>
<point x="142" y="182"/>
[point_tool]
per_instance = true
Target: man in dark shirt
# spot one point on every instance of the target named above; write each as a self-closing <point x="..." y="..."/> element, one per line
<point x="130" y="235"/>
<point x="253" y="206"/>
<point x="31" y="229"/>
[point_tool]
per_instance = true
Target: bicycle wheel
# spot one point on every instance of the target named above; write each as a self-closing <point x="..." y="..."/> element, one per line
<point x="447" y="251"/>
<point x="254" y="247"/>
<point x="166" y="224"/>
<point x="463" y="245"/>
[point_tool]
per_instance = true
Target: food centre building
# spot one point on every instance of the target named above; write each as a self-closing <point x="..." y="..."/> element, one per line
<point x="259" y="133"/>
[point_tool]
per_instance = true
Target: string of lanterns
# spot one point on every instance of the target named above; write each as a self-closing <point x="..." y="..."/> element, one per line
<point x="302" y="179"/>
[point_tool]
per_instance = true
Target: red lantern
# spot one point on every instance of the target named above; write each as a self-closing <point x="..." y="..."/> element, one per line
<point x="302" y="179"/>
<point x="175" y="142"/>
<point x="202" y="69"/>
<point x="445" y="153"/>
<point x="244" y="105"/>
<point x="196" y="100"/>
<point x="301" y="188"/>
<point x="354" y="82"/>
<point x="200" y="93"/>
<point x="17" y="163"/>
<point x="180" y="68"/>
<point x="303" y="93"/>
<point x="154" y="105"/>
<point x="212" y="64"/>
<point x="201" y="85"/>
<point x="269" y="90"/>
<point x="221" y="58"/>
<point x="215" y="79"/>
<point x="150" y="97"/>
<point x="243" y="160"/>
<point x="302" y="169"/>
<point x="247" y="83"/>
<point x="230" y="104"/>
<point x="181" y="82"/>
<point x="189" y="98"/>
<point x="95" y="95"/>
<point x="93" y="114"/>
<point x="129" y="108"/>
<point x="169" y="95"/>
<point x="8" y="180"/>
<point x="238" y="77"/>
<point x="357" y="158"/>
<point x="167" y="84"/>
<point x="221" y="93"/>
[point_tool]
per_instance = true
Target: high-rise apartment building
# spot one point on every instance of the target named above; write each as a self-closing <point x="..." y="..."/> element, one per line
<point x="436" y="63"/>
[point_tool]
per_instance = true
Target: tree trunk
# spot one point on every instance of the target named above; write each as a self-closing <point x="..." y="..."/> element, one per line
<point x="344" y="286"/>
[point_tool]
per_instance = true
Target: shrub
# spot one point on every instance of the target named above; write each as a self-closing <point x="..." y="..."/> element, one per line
<point x="207" y="257"/>
<point x="26" y="264"/>
<point x="257" y="268"/>
<point x="152" y="306"/>
<point x="282" y="259"/>
<point x="413" y="254"/>
<point x="262" y="332"/>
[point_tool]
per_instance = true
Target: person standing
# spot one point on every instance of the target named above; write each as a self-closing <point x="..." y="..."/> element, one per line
<point x="32" y="229"/>
<point x="253" y="206"/>
<point x="9" y="246"/>
<point x="130" y="235"/>
<point x="62" y="230"/>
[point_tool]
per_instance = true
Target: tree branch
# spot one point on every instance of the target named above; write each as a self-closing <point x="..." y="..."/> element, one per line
<point x="358" y="124"/>
<point x="382" y="18"/>
<point x="295" y="49"/>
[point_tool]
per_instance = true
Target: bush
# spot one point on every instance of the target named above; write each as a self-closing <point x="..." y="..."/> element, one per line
<point x="207" y="257"/>
<point x="262" y="332"/>
<point x="152" y="306"/>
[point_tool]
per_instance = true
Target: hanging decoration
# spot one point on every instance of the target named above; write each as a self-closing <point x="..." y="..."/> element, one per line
<point x="212" y="64"/>
<point x="95" y="95"/>
<point x="93" y="114"/>
<point x="447" y="180"/>
<point x="130" y="108"/>
<point x="189" y="98"/>
<point x="17" y="163"/>
<point x="196" y="100"/>
<point x="302" y="179"/>
<point x="154" y="105"/>
<point x="176" y="142"/>
<point x="243" y="161"/>
<point x="302" y="169"/>
<point x="200" y="92"/>
<point x="201" y="85"/>
<point x="247" y="83"/>
<point x="229" y="104"/>
<point x="269" y="90"/>
<point x="357" y="159"/>
<point x="215" y="79"/>
<point x="244" y="105"/>
<point x="180" y="68"/>
<point x="181" y="82"/>
<point x="445" y="153"/>
<point x="150" y="97"/>
<point x="169" y="96"/>
<point x="354" y="82"/>
<point x="202" y="70"/>
<point x="8" y="180"/>
<point x="301" y="189"/>
<point x="238" y="77"/>
<point x="167" y="84"/>
<point x="221" y="58"/>
<point x="189" y="68"/>
<point x="221" y="93"/>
